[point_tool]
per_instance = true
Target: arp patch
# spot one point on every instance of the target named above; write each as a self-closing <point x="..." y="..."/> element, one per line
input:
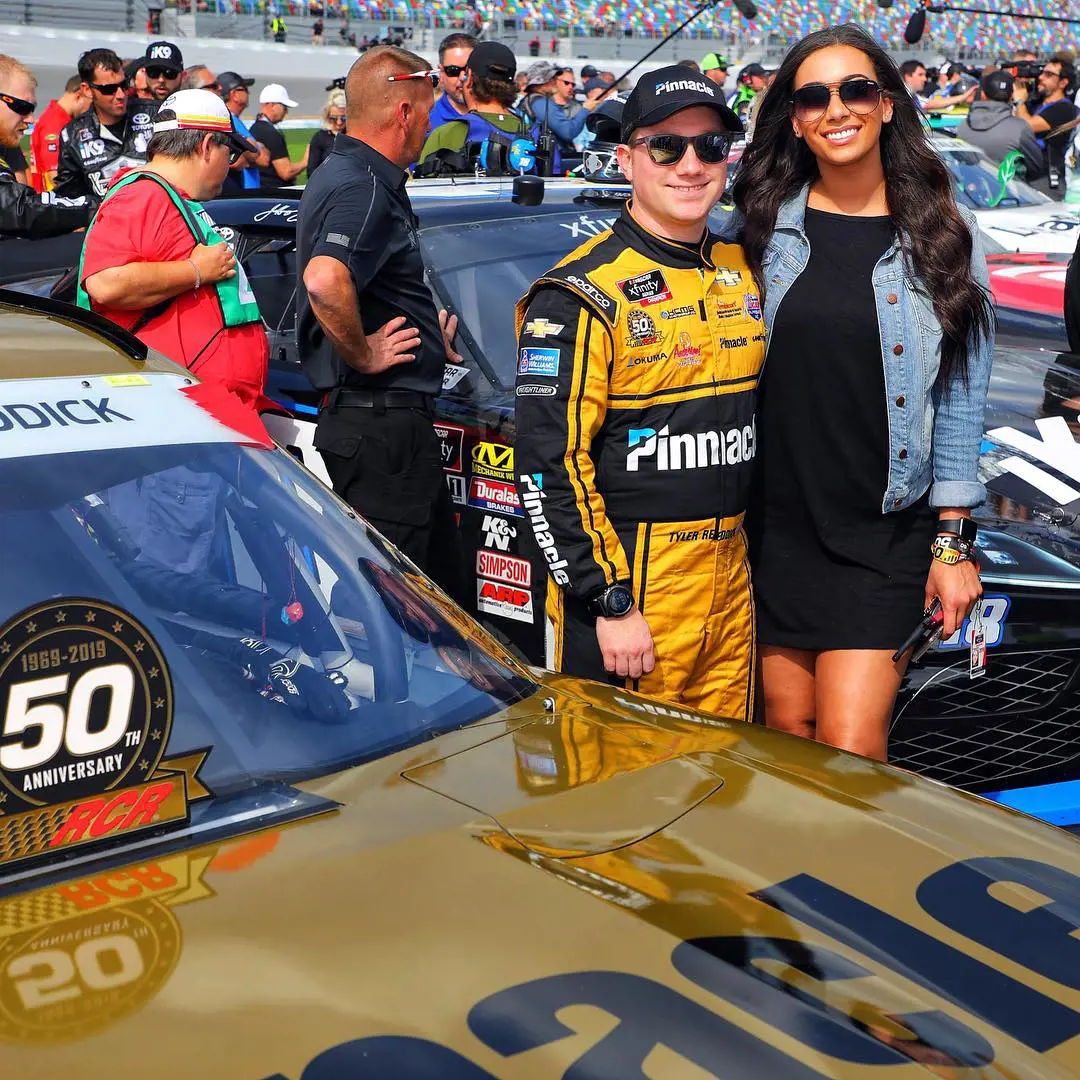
<point x="645" y="289"/>
<point x="543" y="362"/>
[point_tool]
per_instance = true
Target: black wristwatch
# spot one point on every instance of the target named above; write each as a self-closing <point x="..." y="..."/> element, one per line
<point x="612" y="603"/>
<point x="965" y="528"/>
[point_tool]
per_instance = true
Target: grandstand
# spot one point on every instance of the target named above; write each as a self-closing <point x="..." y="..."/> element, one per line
<point x="595" y="28"/>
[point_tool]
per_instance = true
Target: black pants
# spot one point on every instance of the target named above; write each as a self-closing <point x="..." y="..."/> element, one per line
<point x="387" y="466"/>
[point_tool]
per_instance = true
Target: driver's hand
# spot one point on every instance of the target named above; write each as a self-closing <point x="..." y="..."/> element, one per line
<point x="298" y="686"/>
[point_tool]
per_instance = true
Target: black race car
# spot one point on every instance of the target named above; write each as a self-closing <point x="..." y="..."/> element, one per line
<point x="1013" y="734"/>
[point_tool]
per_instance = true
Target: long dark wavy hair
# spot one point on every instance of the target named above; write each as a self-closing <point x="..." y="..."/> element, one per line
<point x="918" y="189"/>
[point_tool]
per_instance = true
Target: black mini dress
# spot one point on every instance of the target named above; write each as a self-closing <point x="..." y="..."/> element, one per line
<point x="831" y="571"/>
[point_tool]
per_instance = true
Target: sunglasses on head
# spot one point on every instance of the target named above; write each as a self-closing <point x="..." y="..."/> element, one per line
<point x="453" y="70"/>
<point x="711" y="148"/>
<point x="432" y="76"/>
<point x="18" y="105"/>
<point x="860" y="96"/>
<point x="109" y="89"/>
<point x="161" y="73"/>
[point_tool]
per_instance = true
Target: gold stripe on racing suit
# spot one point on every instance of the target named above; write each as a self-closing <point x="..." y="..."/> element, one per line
<point x="638" y="363"/>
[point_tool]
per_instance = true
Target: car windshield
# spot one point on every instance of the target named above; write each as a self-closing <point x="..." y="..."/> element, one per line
<point x="472" y="264"/>
<point x="975" y="179"/>
<point x="296" y="640"/>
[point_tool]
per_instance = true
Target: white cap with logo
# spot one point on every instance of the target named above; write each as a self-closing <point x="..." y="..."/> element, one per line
<point x="275" y="94"/>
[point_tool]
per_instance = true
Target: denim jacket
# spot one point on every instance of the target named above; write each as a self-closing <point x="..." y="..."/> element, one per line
<point x="934" y="439"/>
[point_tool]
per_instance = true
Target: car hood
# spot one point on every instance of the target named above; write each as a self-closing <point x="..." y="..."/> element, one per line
<point x="1045" y="227"/>
<point x="590" y="877"/>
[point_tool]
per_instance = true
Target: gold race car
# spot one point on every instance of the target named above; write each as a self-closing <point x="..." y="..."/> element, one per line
<point x="271" y="806"/>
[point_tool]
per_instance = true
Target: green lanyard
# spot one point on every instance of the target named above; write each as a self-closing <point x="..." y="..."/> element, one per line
<point x="235" y="298"/>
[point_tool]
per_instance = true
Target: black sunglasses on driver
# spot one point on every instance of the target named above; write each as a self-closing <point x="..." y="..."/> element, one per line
<point x="161" y="73"/>
<point x="711" y="148"/>
<point x="18" y="105"/>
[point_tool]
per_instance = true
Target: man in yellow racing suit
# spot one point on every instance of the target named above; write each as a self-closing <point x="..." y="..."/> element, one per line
<point x="638" y="366"/>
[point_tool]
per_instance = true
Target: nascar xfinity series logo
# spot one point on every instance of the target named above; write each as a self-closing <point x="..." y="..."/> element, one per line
<point x="696" y="451"/>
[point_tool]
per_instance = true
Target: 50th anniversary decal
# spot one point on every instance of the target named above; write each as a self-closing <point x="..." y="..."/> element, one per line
<point x="86" y="709"/>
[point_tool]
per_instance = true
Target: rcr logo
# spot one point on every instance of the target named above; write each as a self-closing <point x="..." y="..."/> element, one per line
<point x="697" y="451"/>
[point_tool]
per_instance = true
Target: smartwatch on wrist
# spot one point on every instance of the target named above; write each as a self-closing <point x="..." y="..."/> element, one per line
<point x="965" y="528"/>
<point x="612" y="603"/>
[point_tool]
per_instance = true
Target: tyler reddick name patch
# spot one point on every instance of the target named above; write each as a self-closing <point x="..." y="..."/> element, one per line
<point x="86" y="704"/>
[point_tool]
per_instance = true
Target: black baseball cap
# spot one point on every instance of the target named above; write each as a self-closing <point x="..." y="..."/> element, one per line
<point x="492" y="60"/>
<point x="753" y="69"/>
<point x="229" y="80"/>
<point x="164" y="54"/>
<point x="998" y="86"/>
<point x="589" y="72"/>
<point x="668" y="90"/>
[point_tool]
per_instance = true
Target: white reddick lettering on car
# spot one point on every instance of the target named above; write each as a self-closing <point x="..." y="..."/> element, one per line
<point x="699" y="450"/>
<point x="532" y="499"/>
<point x="103" y="412"/>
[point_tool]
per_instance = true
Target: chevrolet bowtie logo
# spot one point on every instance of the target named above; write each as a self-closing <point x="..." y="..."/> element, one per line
<point x="540" y="328"/>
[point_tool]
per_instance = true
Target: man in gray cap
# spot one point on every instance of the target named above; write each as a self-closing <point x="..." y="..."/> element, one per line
<point x="637" y="373"/>
<point x="549" y="100"/>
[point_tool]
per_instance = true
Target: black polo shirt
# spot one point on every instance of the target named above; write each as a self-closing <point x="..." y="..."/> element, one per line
<point x="355" y="210"/>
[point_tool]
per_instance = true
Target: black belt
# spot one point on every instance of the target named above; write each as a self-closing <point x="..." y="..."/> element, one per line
<point x="342" y="398"/>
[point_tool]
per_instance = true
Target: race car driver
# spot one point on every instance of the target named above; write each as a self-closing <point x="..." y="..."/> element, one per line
<point x="111" y="135"/>
<point x="24" y="213"/>
<point x="637" y="373"/>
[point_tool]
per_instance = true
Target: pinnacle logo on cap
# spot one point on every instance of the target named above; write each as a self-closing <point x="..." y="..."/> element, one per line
<point x="668" y="90"/>
<point x="685" y="84"/>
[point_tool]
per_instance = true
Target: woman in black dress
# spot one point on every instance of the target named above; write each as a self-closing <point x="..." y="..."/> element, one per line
<point x="333" y="124"/>
<point x="880" y="335"/>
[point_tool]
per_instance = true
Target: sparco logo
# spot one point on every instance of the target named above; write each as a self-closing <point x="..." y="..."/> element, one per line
<point x="699" y="451"/>
<point x="532" y="498"/>
<point x="589" y="289"/>
<point x="685" y="84"/>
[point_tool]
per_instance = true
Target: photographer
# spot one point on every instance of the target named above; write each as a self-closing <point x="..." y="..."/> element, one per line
<point x="1057" y="84"/>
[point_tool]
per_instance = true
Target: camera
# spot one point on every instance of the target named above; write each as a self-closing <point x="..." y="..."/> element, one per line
<point x="337" y="84"/>
<point x="1028" y="70"/>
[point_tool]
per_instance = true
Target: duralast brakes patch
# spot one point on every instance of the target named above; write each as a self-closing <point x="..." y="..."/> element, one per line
<point x="87" y="708"/>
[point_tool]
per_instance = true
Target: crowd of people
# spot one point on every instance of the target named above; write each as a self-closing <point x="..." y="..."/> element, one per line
<point x="650" y="539"/>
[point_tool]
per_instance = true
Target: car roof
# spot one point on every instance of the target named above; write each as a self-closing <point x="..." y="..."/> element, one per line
<point x="45" y="338"/>
<point x="436" y="201"/>
<point x="951" y="142"/>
